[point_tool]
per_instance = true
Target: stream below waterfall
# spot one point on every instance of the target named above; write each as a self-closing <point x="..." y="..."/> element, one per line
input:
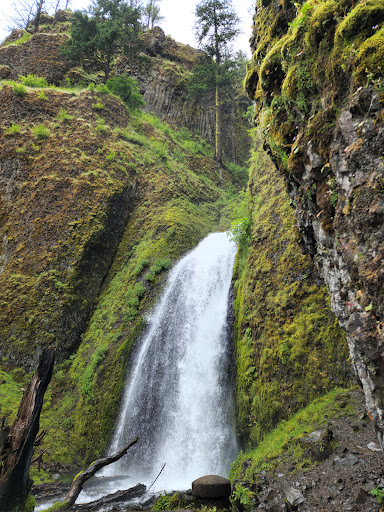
<point x="178" y="396"/>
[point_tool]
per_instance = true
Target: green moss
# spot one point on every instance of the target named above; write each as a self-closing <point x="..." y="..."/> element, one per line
<point x="283" y="443"/>
<point x="11" y="393"/>
<point x="370" y="60"/>
<point x="28" y="505"/>
<point x="24" y="37"/>
<point x="360" y="22"/>
<point x="58" y="506"/>
<point x="288" y="343"/>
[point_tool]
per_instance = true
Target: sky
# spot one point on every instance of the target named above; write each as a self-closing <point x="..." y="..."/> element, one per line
<point x="178" y="23"/>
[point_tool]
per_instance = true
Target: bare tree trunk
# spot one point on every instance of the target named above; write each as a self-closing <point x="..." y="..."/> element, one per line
<point x="219" y="137"/>
<point x="39" y="7"/>
<point x="17" y="442"/>
<point x="81" y="478"/>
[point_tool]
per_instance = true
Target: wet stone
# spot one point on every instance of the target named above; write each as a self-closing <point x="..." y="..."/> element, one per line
<point x="211" y="486"/>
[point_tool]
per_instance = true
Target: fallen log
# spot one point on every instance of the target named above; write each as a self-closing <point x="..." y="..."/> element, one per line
<point x="16" y="443"/>
<point x="117" y="497"/>
<point x="83" y="476"/>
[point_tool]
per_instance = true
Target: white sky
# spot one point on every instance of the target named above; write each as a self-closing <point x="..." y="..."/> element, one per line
<point x="178" y="23"/>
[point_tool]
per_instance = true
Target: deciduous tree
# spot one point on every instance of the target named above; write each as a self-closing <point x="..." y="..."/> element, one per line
<point x="151" y="13"/>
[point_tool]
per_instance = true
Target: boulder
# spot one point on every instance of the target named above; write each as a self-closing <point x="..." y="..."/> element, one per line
<point x="211" y="486"/>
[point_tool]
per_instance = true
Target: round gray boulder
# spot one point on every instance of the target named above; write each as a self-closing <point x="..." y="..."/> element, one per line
<point x="211" y="486"/>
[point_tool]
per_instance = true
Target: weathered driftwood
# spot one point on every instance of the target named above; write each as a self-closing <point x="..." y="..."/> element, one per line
<point x="83" y="476"/>
<point x="16" y="443"/>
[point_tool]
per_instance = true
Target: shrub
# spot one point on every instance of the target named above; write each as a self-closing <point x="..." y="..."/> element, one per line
<point x="127" y="89"/>
<point x="98" y="105"/>
<point x="100" y="126"/>
<point x="133" y="137"/>
<point x="33" y="81"/>
<point x="63" y="116"/>
<point x="40" y="131"/>
<point x="160" y="150"/>
<point x="102" y="88"/>
<point x="42" y="96"/>
<point x="14" y="129"/>
<point x="239" y="232"/>
<point x="19" y="90"/>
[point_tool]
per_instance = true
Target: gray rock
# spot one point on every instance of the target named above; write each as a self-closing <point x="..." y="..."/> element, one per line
<point x="374" y="447"/>
<point x="361" y="496"/>
<point x="211" y="486"/>
<point x="347" y="461"/>
<point x="319" y="445"/>
<point x="294" y="496"/>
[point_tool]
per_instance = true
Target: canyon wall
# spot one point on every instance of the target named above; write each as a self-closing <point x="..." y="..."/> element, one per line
<point x="317" y="81"/>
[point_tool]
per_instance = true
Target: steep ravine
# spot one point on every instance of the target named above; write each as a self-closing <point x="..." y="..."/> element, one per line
<point x="97" y="204"/>
<point x="317" y="80"/>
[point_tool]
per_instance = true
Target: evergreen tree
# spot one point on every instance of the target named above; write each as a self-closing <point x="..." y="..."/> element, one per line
<point x="109" y="27"/>
<point x="216" y="27"/>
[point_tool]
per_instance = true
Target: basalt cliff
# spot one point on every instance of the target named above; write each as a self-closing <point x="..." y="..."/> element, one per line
<point x="316" y="78"/>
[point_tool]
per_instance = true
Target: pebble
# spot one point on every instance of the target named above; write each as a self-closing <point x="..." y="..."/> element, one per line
<point x="374" y="447"/>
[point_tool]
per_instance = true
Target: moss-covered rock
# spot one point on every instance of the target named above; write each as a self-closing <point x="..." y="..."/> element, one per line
<point x="318" y="91"/>
<point x="92" y="214"/>
<point x="289" y="347"/>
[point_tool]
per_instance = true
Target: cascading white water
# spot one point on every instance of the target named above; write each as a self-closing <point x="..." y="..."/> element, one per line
<point x="178" y="397"/>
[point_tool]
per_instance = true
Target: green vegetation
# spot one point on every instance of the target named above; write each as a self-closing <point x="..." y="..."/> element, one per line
<point x="284" y="360"/>
<point x="19" y="90"/>
<point x="25" y="37"/>
<point x="378" y="493"/>
<point x="33" y="81"/>
<point x="179" y="197"/>
<point x="128" y="91"/>
<point x="283" y="443"/>
<point x="14" y="129"/>
<point x="326" y="44"/>
<point x="64" y="116"/>
<point x="216" y="27"/>
<point x="175" y="501"/>
<point x="110" y="28"/>
<point x="40" y="132"/>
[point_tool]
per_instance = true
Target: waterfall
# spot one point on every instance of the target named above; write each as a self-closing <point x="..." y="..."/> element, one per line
<point x="178" y="393"/>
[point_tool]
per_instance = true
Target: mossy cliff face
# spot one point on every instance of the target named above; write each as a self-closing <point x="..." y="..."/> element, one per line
<point x="63" y="211"/>
<point x="317" y="78"/>
<point x="163" y="81"/>
<point x="162" y="74"/>
<point x="289" y="347"/>
<point x="95" y="206"/>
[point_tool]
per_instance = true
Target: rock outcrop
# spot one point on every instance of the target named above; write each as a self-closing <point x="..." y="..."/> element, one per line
<point x="317" y="82"/>
<point x="162" y="74"/>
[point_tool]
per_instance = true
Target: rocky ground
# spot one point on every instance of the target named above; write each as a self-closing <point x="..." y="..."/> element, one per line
<point x="349" y="465"/>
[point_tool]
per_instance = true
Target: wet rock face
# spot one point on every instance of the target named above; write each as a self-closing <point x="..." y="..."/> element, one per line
<point x="341" y="224"/>
<point x="321" y="110"/>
